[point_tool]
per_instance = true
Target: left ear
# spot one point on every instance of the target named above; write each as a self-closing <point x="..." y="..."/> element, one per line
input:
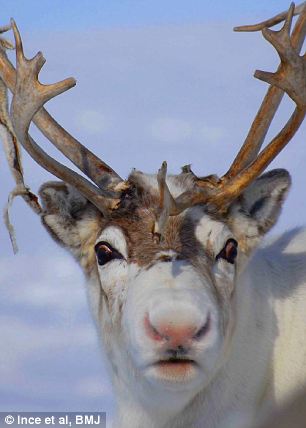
<point x="259" y="207"/>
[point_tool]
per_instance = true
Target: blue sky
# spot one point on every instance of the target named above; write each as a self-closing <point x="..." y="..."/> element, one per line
<point x="71" y="15"/>
<point x="156" y="80"/>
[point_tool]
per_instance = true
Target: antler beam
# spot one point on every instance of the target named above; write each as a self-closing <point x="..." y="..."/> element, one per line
<point x="97" y="170"/>
<point x="13" y="153"/>
<point x="30" y="95"/>
<point x="273" y="98"/>
<point x="291" y="78"/>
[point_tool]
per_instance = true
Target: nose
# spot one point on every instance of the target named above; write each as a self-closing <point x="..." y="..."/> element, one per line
<point x="176" y="327"/>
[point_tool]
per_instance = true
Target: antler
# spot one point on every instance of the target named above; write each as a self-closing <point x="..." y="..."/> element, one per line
<point x="167" y="204"/>
<point x="29" y="97"/>
<point x="217" y="192"/>
<point x="272" y="100"/>
<point x="12" y="151"/>
<point x="97" y="170"/>
<point x="272" y="21"/>
<point x="291" y="78"/>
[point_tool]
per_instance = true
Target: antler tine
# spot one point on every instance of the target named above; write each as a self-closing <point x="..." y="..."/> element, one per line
<point x="97" y="170"/>
<point x="272" y="21"/>
<point x="166" y="201"/>
<point x="270" y="104"/>
<point x="27" y="83"/>
<point x="29" y="97"/>
<point x="290" y="77"/>
<point x="5" y="44"/>
<point x="170" y="206"/>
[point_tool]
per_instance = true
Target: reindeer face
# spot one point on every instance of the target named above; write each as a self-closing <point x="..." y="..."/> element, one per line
<point x="166" y="308"/>
<point x="172" y="306"/>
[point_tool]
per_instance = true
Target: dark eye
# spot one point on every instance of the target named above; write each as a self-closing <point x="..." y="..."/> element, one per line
<point x="105" y="253"/>
<point x="229" y="251"/>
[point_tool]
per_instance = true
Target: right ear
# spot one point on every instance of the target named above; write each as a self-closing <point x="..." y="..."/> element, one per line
<point x="71" y="220"/>
<point x="257" y="210"/>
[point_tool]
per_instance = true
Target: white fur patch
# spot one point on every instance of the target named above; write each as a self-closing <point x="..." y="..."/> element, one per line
<point x="170" y="254"/>
<point x="210" y="232"/>
<point x="176" y="186"/>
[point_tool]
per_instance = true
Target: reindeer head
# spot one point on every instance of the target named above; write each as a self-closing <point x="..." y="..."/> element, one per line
<point x="165" y="304"/>
<point x="161" y="253"/>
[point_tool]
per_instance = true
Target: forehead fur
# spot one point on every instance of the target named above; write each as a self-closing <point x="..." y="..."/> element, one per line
<point x="77" y="224"/>
<point x="177" y="183"/>
<point x="137" y="221"/>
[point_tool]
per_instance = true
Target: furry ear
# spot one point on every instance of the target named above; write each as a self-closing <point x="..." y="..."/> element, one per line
<point x="71" y="220"/>
<point x="259" y="207"/>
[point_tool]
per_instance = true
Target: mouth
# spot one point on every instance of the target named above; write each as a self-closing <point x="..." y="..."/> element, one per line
<point x="175" y="369"/>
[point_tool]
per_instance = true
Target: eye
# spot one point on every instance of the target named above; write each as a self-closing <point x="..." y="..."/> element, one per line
<point x="105" y="253"/>
<point x="229" y="251"/>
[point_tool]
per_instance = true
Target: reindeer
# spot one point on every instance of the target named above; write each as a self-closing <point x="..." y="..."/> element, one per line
<point x="200" y="320"/>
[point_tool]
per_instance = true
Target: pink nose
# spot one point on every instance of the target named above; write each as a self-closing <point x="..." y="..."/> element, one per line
<point x="176" y="333"/>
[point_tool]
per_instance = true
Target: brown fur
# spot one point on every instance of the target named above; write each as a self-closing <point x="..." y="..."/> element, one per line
<point x="136" y="219"/>
<point x="76" y="224"/>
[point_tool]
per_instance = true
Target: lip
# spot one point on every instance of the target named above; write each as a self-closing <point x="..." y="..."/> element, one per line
<point x="175" y="362"/>
<point x="175" y="369"/>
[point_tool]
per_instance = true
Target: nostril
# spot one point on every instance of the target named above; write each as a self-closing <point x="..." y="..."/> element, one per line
<point x="175" y="334"/>
<point x="203" y="330"/>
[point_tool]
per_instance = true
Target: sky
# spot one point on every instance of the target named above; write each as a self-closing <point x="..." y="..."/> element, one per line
<point x="77" y="15"/>
<point x="156" y="80"/>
